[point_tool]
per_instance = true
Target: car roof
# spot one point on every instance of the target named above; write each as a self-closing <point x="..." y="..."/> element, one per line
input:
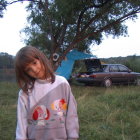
<point x="112" y="64"/>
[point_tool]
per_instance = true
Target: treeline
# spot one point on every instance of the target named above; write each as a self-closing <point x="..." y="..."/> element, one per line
<point x="6" y="61"/>
<point x="132" y="62"/>
<point x="7" y="72"/>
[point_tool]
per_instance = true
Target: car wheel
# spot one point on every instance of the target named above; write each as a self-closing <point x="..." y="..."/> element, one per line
<point x="138" y="81"/>
<point x="107" y="83"/>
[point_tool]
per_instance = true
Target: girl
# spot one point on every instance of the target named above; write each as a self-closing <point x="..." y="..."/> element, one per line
<point x="46" y="107"/>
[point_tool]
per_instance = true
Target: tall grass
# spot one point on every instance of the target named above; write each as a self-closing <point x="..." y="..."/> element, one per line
<point x="8" y="101"/>
<point x="108" y="114"/>
<point x="104" y="114"/>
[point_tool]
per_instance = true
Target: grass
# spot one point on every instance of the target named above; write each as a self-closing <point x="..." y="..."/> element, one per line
<point x="8" y="101"/>
<point x="104" y="114"/>
<point x="108" y="114"/>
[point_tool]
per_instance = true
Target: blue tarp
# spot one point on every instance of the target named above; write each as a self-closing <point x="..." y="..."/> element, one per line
<point x="66" y="66"/>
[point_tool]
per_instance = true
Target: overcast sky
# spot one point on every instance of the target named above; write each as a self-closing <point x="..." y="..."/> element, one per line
<point x="15" y="19"/>
<point x="10" y="25"/>
<point x="123" y="46"/>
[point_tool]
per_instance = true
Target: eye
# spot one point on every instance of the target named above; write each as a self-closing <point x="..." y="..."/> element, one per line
<point x="34" y="62"/>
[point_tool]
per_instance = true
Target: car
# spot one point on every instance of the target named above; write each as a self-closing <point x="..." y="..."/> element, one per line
<point x="108" y="74"/>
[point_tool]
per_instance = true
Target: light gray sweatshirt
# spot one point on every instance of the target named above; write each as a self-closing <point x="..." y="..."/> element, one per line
<point x="49" y="112"/>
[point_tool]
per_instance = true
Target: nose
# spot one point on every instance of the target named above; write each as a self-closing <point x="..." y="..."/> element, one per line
<point x="34" y="69"/>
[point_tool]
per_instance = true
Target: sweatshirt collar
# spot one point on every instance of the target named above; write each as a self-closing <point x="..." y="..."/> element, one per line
<point x="43" y="81"/>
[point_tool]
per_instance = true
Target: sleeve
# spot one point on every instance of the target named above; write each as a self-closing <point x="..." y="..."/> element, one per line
<point x="72" y="124"/>
<point x="21" y="130"/>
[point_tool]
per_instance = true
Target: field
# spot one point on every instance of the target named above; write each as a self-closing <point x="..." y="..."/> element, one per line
<point x="104" y="114"/>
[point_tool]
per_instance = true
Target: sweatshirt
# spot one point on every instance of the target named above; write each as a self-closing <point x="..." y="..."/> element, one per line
<point x="48" y="112"/>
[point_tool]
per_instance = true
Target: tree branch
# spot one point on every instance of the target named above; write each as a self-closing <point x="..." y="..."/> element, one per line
<point x="80" y="17"/>
<point x="62" y="34"/>
<point x="93" y="5"/>
<point x="72" y="45"/>
<point x="46" y="8"/>
<point x="16" y="2"/>
<point x="123" y="18"/>
<point x="100" y="4"/>
<point x="98" y="15"/>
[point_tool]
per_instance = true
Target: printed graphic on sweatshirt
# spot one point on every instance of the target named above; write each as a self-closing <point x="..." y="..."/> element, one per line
<point x="40" y="115"/>
<point x="59" y="106"/>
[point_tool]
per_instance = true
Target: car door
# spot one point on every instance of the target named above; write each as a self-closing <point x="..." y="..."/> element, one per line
<point x="128" y="74"/>
<point x="125" y="73"/>
<point x="114" y="73"/>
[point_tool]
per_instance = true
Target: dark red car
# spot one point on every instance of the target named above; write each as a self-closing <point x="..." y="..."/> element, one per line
<point x="108" y="74"/>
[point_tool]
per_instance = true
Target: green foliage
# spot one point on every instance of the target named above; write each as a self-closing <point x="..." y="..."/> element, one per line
<point x="6" y="60"/>
<point x="104" y="114"/>
<point x="131" y="62"/>
<point x="60" y="25"/>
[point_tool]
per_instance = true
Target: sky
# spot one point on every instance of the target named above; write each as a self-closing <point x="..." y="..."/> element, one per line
<point x="14" y="21"/>
<point x="122" y="46"/>
<point x="11" y="24"/>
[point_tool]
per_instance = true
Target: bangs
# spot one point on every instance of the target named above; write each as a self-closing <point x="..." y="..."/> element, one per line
<point x="25" y="60"/>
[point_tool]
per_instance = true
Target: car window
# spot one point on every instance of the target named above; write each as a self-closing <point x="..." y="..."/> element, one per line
<point x="123" y="69"/>
<point x="113" y="68"/>
<point x="105" y="68"/>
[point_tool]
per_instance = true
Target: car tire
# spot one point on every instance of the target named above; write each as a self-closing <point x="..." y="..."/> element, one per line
<point x="107" y="83"/>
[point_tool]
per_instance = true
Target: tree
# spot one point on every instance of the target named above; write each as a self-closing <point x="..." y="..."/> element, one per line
<point x="3" y="5"/>
<point x="6" y="61"/>
<point x="57" y="26"/>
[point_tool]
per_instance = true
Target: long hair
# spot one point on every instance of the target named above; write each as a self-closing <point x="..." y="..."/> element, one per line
<point x="25" y="56"/>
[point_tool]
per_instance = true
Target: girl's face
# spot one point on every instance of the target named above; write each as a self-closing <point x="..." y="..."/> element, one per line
<point x="35" y="69"/>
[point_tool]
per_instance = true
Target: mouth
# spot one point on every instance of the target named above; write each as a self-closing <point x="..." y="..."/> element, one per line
<point x="39" y="75"/>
